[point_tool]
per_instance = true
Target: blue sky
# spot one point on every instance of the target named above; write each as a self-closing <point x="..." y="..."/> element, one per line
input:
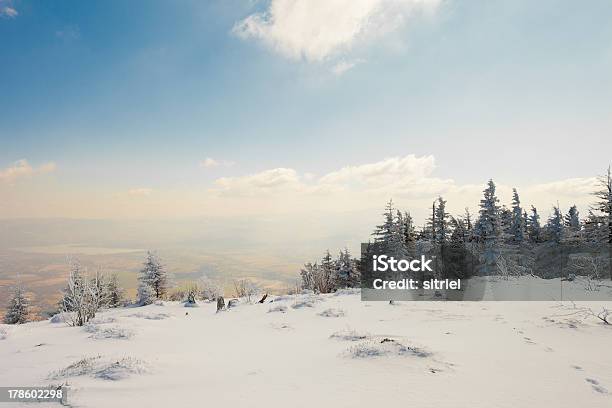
<point x="131" y="97"/>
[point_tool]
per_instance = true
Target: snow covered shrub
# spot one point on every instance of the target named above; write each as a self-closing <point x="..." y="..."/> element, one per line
<point x="332" y="313"/>
<point x="121" y="369"/>
<point x="209" y="290"/>
<point x="151" y="316"/>
<point x="177" y="296"/>
<point x="62" y="317"/>
<point x="245" y="288"/>
<point x="348" y="335"/>
<point x="113" y="332"/>
<point x="102" y="320"/>
<point x="145" y="294"/>
<point x="3" y="333"/>
<point x="96" y="367"/>
<point x="192" y="293"/>
<point x="385" y="347"/>
<point x="278" y="308"/>
<point x="84" y="366"/>
<point x="308" y="301"/>
<point x="347" y="291"/>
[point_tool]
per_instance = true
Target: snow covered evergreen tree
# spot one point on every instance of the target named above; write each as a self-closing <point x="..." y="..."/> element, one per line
<point x="346" y="271"/>
<point x="441" y="228"/>
<point x="19" y="307"/>
<point x="505" y="216"/>
<point x="534" y="229"/>
<point x="487" y="229"/>
<point x="409" y="234"/>
<point x="145" y="294"/>
<point x="115" y="292"/>
<point x="572" y="219"/>
<point x="455" y="257"/>
<point x="388" y="236"/>
<point x="517" y="226"/>
<point x="468" y="222"/>
<point x="554" y="227"/>
<point x="154" y="275"/>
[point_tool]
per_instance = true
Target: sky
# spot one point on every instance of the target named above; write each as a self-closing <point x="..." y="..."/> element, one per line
<point x="326" y="108"/>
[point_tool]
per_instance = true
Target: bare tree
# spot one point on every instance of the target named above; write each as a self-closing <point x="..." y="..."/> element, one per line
<point x="245" y="288"/>
<point x="591" y="267"/>
<point x="209" y="290"/>
<point x="604" y="207"/>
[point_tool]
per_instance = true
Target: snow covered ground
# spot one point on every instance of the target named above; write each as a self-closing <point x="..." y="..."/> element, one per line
<point x="326" y="351"/>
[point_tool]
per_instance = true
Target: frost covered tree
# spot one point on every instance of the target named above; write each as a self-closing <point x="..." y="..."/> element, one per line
<point x="517" y="226"/>
<point x="320" y="278"/>
<point x="145" y="295"/>
<point x="388" y="236"/>
<point x="408" y="233"/>
<point x="19" y="307"/>
<point x="468" y="222"/>
<point x="505" y="217"/>
<point x="441" y="228"/>
<point x="572" y="219"/>
<point x="455" y="265"/>
<point x="554" y="227"/>
<point x="347" y="275"/>
<point x="209" y="290"/>
<point x="154" y="275"/>
<point x="604" y="208"/>
<point x="534" y="229"/>
<point x="245" y="288"/>
<point x="79" y="298"/>
<point x="99" y="290"/>
<point x="487" y="229"/>
<point x="115" y="292"/>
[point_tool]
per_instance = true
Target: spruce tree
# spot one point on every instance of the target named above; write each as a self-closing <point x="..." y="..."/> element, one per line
<point x="517" y="226"/>
<point x="19" y="307"/>
<point x="145" y="294"/>
<point x="554" y="226"/>
<point x="572" y="219"/>
<point x="409" y="233"/>
<point x="440" y="222"/>
<point x="115" y="292"/>
<point x="388" y="236"/>
<point x="346" y="272"/>
<point x="154" y="275"/>
<point x="487" y="229"/>
<point x="534" y="229"/>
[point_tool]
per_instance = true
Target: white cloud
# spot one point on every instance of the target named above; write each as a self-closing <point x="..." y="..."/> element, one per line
<point x="279" y="179"/>
<point x="408" y="176"/>
<point x="22" y="169"/>
<point x="8" y="12"/>
<point x="574" y="187"/>
<point x="343" y="66"/>
<point x="209" y="162"/>
<point x="140" y="192"/>
<point x="315" y="30"/>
